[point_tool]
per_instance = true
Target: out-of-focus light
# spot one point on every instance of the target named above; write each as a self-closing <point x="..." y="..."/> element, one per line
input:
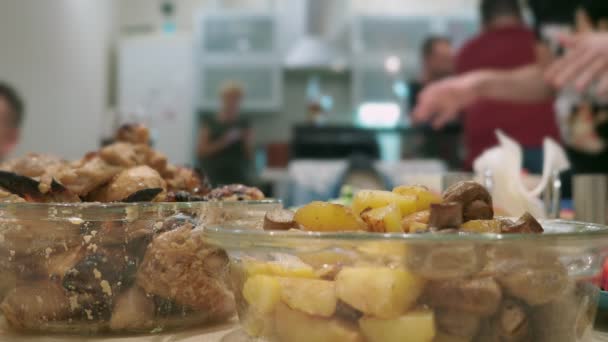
<point x="379" y="114"/>
<point x="401" y="89"/>
<point x="392" y="64"/>
<point x="326" y="102"/>
<point x="243" y="45"/>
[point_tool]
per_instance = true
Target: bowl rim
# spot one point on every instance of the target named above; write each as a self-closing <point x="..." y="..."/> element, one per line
<point x="121" y="205"/>
<point x="238" y="237"/>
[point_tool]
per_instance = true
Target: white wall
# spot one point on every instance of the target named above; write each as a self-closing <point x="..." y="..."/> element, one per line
<point x="56" y="53"/>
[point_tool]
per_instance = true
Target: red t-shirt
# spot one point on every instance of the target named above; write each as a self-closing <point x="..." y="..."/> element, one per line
<point x="503" y="49"/>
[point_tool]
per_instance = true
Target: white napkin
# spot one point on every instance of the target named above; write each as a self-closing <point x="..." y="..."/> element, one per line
<point x="504" y="162"/>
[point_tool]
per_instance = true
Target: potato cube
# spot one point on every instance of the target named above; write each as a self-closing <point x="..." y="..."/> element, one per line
<point x="383" y="220"/>
<point x="262" y="293"/>
<point x="424" y="195"/>
<point x="482" y="226"/>
<point x="372" y="199"/>
<point x="327" y="217"/>
<point x="257" y="324"/>
<point x="379" y="291"/>
<point x="415" y="326"/>
<point x="294" y="326"/>
<point x="314" y="297"/>
<point x="295" y="269"/>
<point x="414" y="221"/>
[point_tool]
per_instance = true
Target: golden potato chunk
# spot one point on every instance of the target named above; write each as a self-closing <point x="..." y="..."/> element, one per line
<point x="425" y="197"/>
<point x="372" y="199"/>
<point x="383" y="220"/>
<point x="415" y="326"/>
<point x="275" y="268"/>
<point x="413" y="222"/>
<point x="327" y="217"/>
<point x="314" y="297"/>
<point x="482" y="226"/>
<point x="294" y="326"/>
<point x="379" y="291"/>
<point x="262" y="293"/>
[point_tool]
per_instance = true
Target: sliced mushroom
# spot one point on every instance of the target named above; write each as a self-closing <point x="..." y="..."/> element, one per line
<point x="279" y="219"/>
<point x="36" y="191"/>
<point x="512" y="323"/>
<point x="28" y="306"/>
<point x="527" y="224"/>
<point x="445" y="215"/>
<point x="445" y="261"/>
<point x="457" y="323"/>
<point x="143" y="195"/>
<point x="475" y="199"/>
<point x="133" y="311"/>
<point x="568" y="318"/>
<point x="476" y="296"/>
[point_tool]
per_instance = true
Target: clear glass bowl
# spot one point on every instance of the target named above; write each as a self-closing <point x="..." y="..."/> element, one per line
<point x="293" y="286"/>
<point x="94" y="268"/>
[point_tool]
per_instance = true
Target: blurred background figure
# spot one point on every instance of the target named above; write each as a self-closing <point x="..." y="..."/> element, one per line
<point x="505" y="43"/>
<point x="225" y="144"/>
<point x="438" y="61"/>
<point x="11" y="116"/>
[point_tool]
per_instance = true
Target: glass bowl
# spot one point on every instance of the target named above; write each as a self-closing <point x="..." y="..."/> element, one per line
<point x="93" y="268"/>
<point x="293" y="286"/>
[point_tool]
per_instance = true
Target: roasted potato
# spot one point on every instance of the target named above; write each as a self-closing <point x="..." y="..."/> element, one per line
<point x="327" y="217"/>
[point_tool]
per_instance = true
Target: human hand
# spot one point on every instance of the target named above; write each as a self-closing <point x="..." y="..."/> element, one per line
<point x="441" y="102"/>
<point x="585" y="64"/>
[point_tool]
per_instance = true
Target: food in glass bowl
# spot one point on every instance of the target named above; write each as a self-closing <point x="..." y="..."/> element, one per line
<point x="410" y="265"/>
<point x="110" y="244"/>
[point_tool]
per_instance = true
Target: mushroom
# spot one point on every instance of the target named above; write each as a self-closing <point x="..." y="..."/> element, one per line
<point x="28" y="306"/>
<point x="36" y="191"/>
<point x="445" y="215"/>
<point x="526" y="224"/>
<point x="457" y="323"/>
<point x="279" y="219"/>
<point x="480" y="296"/>
<point x="568" y="318"/>
<point x="511" y="323"/>
<point x="475" y="199"/>
<point x="132" y="311"/>
<point x="445" y="261"/>
<point x="180" y="266"/>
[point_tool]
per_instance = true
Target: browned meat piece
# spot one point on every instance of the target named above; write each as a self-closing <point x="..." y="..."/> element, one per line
<point x="445" y="261"/>
<point x="526" y="224"/>
<point x="475" y="199"/>
<point x="445" y="215"/>
<point x="457" y="323"/>
<point x="133" y="310"/>
<point x="511" y="323"/>
<point x="156" y="160"/>
<point x="134" y="134"/>
<point x="476" y="296"/>
<point x="123" y="154"/>
<point x="128" y="182"/>
<point x="279" y="219"/>
<point x="236" y="192"/>
<point x="185" y="179"/>
<point x="180" y="266"/>
<point x="28" y="306"/>
<point x="34" y="165"/>
<point x="88" y="174"/>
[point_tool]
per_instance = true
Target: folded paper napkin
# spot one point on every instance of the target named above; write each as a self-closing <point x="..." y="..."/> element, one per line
<point x="504" y="164"/>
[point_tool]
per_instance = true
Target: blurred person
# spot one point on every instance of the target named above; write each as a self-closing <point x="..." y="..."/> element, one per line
<point x="438" y="57"/>
<point x="225" y="144"/>
<point x="12" y="111"/>
<point x="505" y="43"/>
<point x="577" y="77"/>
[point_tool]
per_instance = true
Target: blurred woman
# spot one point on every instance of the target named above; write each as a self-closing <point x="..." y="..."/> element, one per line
<point x="225" y="143"/>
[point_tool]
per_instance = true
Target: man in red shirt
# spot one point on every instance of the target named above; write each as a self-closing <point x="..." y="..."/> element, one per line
<point x="504" y="44"/>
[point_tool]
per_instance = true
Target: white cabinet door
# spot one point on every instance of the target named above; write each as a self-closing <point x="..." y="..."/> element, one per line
<point x="156" y="81"/>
